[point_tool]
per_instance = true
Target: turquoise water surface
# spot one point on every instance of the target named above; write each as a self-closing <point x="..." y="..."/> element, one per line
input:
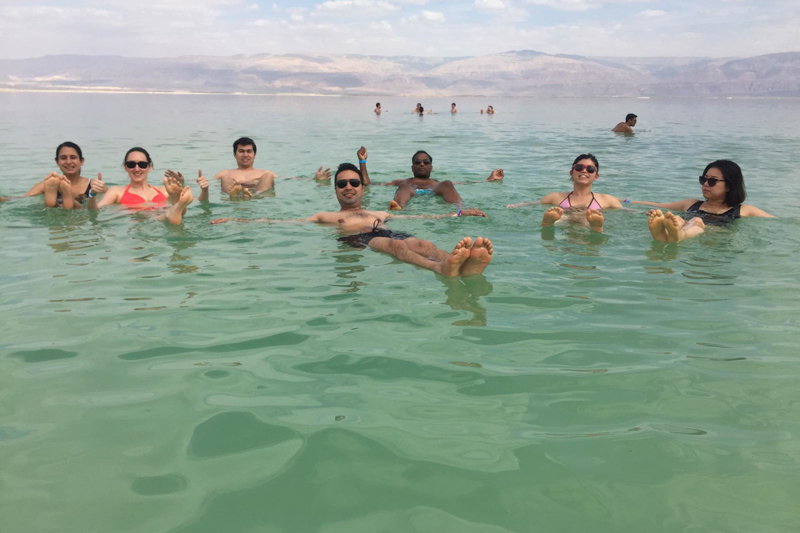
<point x="264" y="377"/>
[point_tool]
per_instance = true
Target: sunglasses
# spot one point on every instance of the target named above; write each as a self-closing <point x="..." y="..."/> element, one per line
<point x="422" y="161"/>
<point x="352" y="181"/>
<point x="133" y="164"/>
<point x="711" y="181"/>
<point x="591" y="169"/>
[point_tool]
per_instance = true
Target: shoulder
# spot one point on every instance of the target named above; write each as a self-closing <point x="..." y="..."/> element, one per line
<point x="753" y="211"/>
<point x="608" y="200"/>
<point x="266" y="173"/>
<point x="221" y="174"/>
<point x="554" y="197"/>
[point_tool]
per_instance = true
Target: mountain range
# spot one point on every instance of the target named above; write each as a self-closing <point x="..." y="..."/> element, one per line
<point x="514" y="73"/>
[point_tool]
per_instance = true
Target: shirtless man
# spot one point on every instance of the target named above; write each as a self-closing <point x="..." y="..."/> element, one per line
<point x="421" y="183"/>
<point x="367" y="228"/>
<point x="627" y="126"/>
<point x="378" y="108"/>
<point x="453" y="109"/>
<point x="244" y="180"/>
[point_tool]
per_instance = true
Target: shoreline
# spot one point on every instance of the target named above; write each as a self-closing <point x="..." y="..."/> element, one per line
<point x="117" y="90"/>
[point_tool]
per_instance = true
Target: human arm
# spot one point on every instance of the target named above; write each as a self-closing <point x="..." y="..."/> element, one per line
<point x="38" y="188"/>
<point x="680" y="205"/>
<point x="362" y="165"/>
<point x="112" y="196"/>
<point x="753" y="211"/>
<point x="459" y="213"/>
<point x="313" y="218"/>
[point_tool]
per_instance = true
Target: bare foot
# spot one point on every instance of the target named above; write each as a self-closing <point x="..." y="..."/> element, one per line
<point x="186" y="197"/>
<point x="480" y="255"/>
<point x="656" y="225"/>
<point x="673" y="225"/>
<point x="174" y="188"/>
<point x="394" y="206"/>
<point x="595" y="218"/>
<point x="175" y="215"/>
<point x="551" y="216"/>
<point x="450" y="266"/>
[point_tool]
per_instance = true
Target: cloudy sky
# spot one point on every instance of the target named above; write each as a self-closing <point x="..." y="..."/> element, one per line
<point x="166" y="28"/>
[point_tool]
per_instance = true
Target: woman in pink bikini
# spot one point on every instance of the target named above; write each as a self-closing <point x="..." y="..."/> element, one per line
<point x="585" y="171"/>
<point x="140" y="195"/>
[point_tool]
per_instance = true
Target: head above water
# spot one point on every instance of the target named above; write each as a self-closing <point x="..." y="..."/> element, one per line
<point x="244" y="141"/>
<point x="630" y="117"/>
<point x="348" y="186"/>
<point x="347" y="166"/>
<point x="141" y="151"/>
<point x="420" y="110"/>
<point x="378" y="104"/>
<point x="421" y="164"/>
<point x="69" y="144"/>
<point x="584" y="158"/>
<point x="734" y="180"/>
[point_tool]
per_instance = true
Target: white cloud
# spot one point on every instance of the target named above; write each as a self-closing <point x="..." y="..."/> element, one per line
<point x="360" y="7"/>
<point x="580" y="5"/>
<point x="433" y="16"/>
<point x="651" y="13"/>
<point x="490" y="4"/>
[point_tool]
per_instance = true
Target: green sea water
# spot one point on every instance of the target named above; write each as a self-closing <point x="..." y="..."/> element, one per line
<point x="267" y="378"/>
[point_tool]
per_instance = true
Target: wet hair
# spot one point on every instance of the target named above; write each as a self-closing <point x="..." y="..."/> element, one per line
<point x="244" y="141"/>
<point x="413" y="157"/>
<point x="490" y="107"/>
<point x="421" y="110"/>
<point x="378" y="104"/>
<point x="348" y="166"/>
<point x="451" y="105"/>
<point x="69" y="144"/>
<point x="588" y="156"/>
<point x="733" y="178"/>
<point x="630" y="116"/>
<point x="137" y="149"/>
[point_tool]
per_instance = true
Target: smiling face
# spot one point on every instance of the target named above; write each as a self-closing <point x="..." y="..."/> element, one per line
<point x="137" y="174"/>
<point x="245" y="155"/>
<point x="583" y="176"/>
<point x="350" y="195"/>
<point x="720" y="188"/>
<point x="69" y="161"/>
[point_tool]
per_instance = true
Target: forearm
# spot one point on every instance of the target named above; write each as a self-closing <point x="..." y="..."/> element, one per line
<point x="364" y="174"/>
<point x="523" y="204"/>
<point x="203" y="198"/>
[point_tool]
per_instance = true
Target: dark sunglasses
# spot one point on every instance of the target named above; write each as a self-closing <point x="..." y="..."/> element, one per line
<point x="591" y="169"/>
<point x="422" y="161"/>
<point x="711" y="181"/>
<point x="354" y="182"/>
<point x="133" y="164"/>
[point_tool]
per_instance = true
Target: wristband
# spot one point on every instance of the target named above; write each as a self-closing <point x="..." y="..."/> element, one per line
<point x="362" y="161"/>
<point x="458" y="213"/>
<point x="626" y="201"/>
<point x="90" y="194"/>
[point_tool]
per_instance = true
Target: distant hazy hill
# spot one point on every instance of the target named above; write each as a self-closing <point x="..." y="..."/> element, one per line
<point x="519" y="73"/>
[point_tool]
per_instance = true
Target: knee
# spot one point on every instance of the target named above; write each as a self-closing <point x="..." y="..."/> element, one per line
<point x="445" y="186"/>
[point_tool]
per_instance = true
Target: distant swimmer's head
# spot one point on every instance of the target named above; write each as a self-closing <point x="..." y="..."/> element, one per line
<point x="244" y="150"/>
<point x="421" y="164"/>
<point x="69" y="157"/>
<point x="378" y="105"/>
<point x="137" y="164"/>
<point x="630" y="119"/>
<point x="453" y="105"/>
<point x="349" y="185"/>
<point x="728" y="182"/>
<point x="585" y="167"/>
<point x="421" y="110"/>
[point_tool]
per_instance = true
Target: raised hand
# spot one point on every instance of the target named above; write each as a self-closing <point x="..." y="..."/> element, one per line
<point x="496" y="175"/>
<point x="174" y="175"/>
<point x="362" y="154"/>
<point x="201" y="180"/>
<point x="98" y="186"/>
<point x="322" y="174"/>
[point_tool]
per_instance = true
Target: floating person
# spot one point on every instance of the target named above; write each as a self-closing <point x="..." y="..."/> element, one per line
<point x="245" y="180"/>
<point x="378" y="108"/>
<point x="468" y="258"/>
<point x="627" y="126"/>
<point x="139" y="194"/>
<point x="421" y="183"/>
<point x="581" y="203"/>
<point x="421" y="110"/>
<point x="722" y="187"/>
<point x="417" y="108"/>
<point x="68" y="189"/>
<point x="453" y="109"/>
